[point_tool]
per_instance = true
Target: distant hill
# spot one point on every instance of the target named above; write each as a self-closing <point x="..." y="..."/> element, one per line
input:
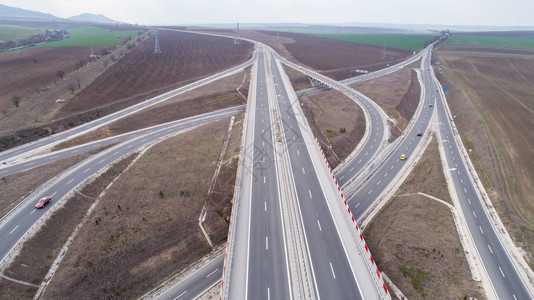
<point x="93" y="18"/>
<point x="14" y="12"/>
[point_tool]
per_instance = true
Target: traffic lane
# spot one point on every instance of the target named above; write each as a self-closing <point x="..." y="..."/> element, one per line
<point x="11" y="153"/>
<point x="332" y="271"/>
<point x="26" y="217"/>
<point x="504" y="277"/>
<point x="267" y="267"/>
<point x="52" y="157"/>
<point x="196" y="284"/>
<point x="363" y="199"/>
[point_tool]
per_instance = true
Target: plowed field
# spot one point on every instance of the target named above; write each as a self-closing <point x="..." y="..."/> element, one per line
<point x="184" y="58"/>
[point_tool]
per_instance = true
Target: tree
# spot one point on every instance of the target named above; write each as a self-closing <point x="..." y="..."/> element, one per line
<point x="15" y="99"/>
<point x="60" y="74"/>
<point x="71" y="86"/>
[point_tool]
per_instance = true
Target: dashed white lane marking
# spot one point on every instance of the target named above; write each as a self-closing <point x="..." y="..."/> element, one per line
<point x="33" y="211"/>
<point x="265" y="205"/>
<point x="474" y="214"/>
<point x="490" y="249"/>
<point x="378" y="182"/>
<point x="304" y="172"/>
<point x="14" y="229"/>
<point x="212" y="272"/>
<point x="469" y="200"/>
<point x="360" y="161"/>
<point x="370" y="192"/>
<point x="310" y="193"/>
<point x="319" y="224"/>
<point x="351" y="169"/>
<point x="502" y="273"/>
<point x="86" y="170"/>
<point x="263" y="179"/>
<point x="465" y="190"/>
<point x="482" y="231"/>
<point x="266" y="243"/>
<point x="357" y="205"/>
<point x="180" y="295"/>
<point x="70" y="181"/>
<point x="116" y="153"/>
<point x="53" y="194"/>
<point x="102" y="161"/>
<point x="298" y="152"/>
<point x="386" y="174"/>
<point x="334" y="274"/>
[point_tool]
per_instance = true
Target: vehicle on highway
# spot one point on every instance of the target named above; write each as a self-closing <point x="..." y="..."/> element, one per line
<point x="403" y="157"/>
<point x="430" y="105"/>
<point x="419" y="134"/>
<point x="42" y="202"/>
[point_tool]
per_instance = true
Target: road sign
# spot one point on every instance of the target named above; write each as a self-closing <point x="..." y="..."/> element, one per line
<point x="444" y="89"/>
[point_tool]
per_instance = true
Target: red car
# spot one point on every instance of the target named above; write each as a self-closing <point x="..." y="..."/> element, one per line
<point x="44" y="201"/>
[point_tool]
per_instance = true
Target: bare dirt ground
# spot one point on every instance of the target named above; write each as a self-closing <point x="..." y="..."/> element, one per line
<point x="493" y="104"/>
<point x="397" y="93"/>
<point x="21" y="75"/>
<point x="414" y="239"/>
<point x="336" y="58"/>
<point x="331" y="57"/>
<point x="139" y="75"/>
<point x="185" y="58"/>
<point x="213" y="96"/>
<point x="143" y="230"/>
<point x="337" y="121"/>
<point x="17" y="187"/>
<point x="39" y="252"/>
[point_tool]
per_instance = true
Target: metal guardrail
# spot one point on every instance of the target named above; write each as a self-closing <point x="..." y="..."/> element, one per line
<point x="357" y="234"/>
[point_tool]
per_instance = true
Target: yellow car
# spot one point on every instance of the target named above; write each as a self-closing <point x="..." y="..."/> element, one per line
<point x="403" y="157"/>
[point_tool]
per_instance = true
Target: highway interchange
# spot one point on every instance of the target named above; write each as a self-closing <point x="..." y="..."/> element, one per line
<point x="268" y="272"/>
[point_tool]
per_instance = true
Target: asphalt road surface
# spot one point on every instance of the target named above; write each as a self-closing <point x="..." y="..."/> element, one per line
<point x="196" y="284"/>
<point x="267" y="271"/>
<point x="16" y="225"/>
<point x="57" y="155"/>
<point x="504" y="278"/>
<point x="333" y="276"/>
<point x="28" y="149"/>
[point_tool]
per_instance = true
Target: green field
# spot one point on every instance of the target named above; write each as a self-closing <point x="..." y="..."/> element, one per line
<point x="21" y="32"/>
<point x="91" y="36"/>
<point x="401" y="41"/>
<point x="491" y="41"/>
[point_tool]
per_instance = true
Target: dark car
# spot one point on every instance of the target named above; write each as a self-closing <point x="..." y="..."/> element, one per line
<point x="44" y="201"/>
<point x="419" y="134"/>
<point x="431" y="105"/>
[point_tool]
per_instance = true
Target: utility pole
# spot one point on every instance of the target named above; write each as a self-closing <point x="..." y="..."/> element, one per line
<point x="237" y="39"/>
<point x="384" y="52"/>
<point x="157" y="50"/>
<point x="16" y="43"/>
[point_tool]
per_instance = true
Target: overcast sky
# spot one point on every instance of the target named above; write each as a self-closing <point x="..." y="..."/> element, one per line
<point x="172" y="12"/>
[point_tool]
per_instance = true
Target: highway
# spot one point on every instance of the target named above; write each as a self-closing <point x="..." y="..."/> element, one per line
<point x="374" y="137"/>
<point x="20" y="152"/>
<point x="504" y="278"/>
<point x="19" y="221"/>
<point x="332" y="272"/>
<point x="267" y="268"/>
<point x="372" y="75"/>
<point x="386" y="173"/>
<point x="196" y="284"/>
<point x="40" y="160"/>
